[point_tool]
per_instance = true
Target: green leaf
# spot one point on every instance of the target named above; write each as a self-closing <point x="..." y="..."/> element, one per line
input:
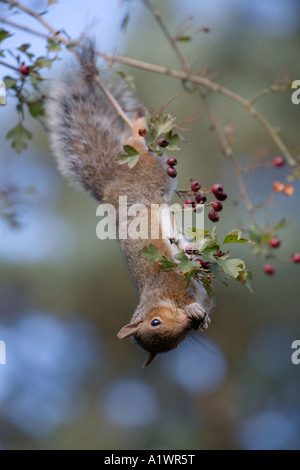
<point x="173" y="139"/>
<point x="53" y="46"/>
<point x="195" y="234"/>
<point x="214" y="237"/>
<point x="244" y="278"/>
<point x="188" y="277"/>
<point x="232" y="267"/>
<point x="19" y="136"/>
<point x="130" y="160"/>
<point x="184" y="38"/>
<point x="4" y="34"/>
<point x="125" y="22"/>
<point x="185" y="265"/>
<point x="281" y="224"/>
<point x="72" y="45"/>
<point x="210" y="251"/>
<point x="162" y="124"/>
<point x="217" y="270"/>
<point x="36" y="108"/>
<point x="10" y="82"/>
<point x="24" y="48"/>
<point x="130" y="150"/>
<point x="36" y="81"/>
<point x="131" y="157"/>
<point x="42" y="62"/>
<point x="129" y="79"/>
<point x="235" y="236"/>
<point x="150" y="253"/>
<point x="167" y="264"/>
<point x="206" y="281"/>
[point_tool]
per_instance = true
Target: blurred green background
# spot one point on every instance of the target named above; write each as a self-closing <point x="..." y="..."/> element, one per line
<point x="69" y="383"/>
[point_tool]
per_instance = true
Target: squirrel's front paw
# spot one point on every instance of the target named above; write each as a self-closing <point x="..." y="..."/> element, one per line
<point x="194" y="311"/>
<point x="198" y="316"/>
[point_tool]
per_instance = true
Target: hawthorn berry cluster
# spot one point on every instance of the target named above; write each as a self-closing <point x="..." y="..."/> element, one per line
<point x="200" y="197"/>
<point x="276" y="243"/>
<point x="279" y="187"/>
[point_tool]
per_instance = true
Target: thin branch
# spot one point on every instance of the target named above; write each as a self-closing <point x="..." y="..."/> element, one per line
<point x="267" y="91"/>
<point x="113" y="101"/>
<point x="24" y="28"/>
<point x="175" y="74"/>
<point x="5" y="64"/>
<point x="17" y="69"/>
<point x="167" y="34"/>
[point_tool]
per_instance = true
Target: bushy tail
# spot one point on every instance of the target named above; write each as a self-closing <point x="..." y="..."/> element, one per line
<point x="85" y="131"/>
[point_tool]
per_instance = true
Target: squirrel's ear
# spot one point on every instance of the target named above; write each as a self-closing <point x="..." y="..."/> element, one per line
<point x="149" y="359"/>
<point x="129" y="330"/>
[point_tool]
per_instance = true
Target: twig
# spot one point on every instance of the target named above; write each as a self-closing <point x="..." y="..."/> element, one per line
<point x="167" y="104"/>
<point x="113" y="101"/>
<point x="17" y="69"/>
<point x="167" y="34"/>
<point x="5" y="64"/>
<point x="267" y="91"/>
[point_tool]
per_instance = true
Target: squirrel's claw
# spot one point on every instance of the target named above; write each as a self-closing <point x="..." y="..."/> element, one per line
<point x="205" y="323"/>
<point x="195" y="311"/>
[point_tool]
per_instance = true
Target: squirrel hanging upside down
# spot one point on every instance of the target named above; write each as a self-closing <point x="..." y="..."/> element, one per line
<point x="87" y="137"/>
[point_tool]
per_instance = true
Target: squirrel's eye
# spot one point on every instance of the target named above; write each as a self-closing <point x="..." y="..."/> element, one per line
<point x="155" y="322"/>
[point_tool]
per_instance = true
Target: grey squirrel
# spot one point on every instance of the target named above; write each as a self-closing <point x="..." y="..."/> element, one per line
<point x="87" y="136"/>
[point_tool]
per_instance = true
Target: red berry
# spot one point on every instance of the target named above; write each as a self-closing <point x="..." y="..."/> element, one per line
<point x="24" y="69"/>
<point x="220" y="254"/>
<point x="274" y="242"/>
<point x="296" y="258"/>
<point x="163" y="142"/>
<point x="217" y="206"/>
<point x="269" y="269"/>
<point x="171" y="171"/>
<point x="288" y="189"/>
<point x="172" y="161"/>
<point x="201" y="198"/>
<point x="278" y="161"/>
<point x="188" y="203"/>
<point x="195" y="186"/>
<point x="221" y="196"/>
<point x="206" y="265"/>
<point x="217" y="189"/>
<point x="213" y="215"/>
<point x="277" y="186"/>
<point x="190" y="249"/>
